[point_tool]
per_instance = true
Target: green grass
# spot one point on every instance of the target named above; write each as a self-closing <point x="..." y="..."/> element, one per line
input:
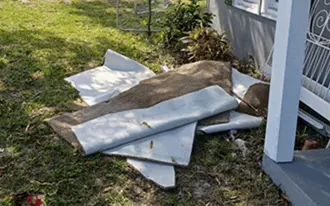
<point x="41" y="42"/>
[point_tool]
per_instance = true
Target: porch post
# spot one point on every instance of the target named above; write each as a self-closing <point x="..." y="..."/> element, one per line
<point x="290" y="38"/>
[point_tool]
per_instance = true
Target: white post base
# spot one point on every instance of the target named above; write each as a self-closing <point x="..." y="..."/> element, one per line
<point x="290" y="38"/>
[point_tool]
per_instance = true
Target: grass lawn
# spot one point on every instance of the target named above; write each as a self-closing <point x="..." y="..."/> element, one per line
<point x="41" y="42"/>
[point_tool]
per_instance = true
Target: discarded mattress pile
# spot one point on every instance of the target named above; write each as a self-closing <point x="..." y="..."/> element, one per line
<point x="152" y="119"/>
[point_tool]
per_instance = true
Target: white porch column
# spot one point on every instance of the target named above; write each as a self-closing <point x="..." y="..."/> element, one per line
<point x="290" y="38"/>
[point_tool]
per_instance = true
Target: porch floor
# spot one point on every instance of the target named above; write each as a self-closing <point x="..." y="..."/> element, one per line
<point x="306" y="181"/>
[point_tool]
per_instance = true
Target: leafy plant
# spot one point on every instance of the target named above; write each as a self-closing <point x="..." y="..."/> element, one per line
<point x="246" y="65"/>
<point x="206" y="44"/>
<point x="302" y="134"/>
<point x="181" y="19"/>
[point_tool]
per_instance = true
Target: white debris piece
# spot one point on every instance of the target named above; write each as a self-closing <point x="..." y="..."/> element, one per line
<point x="161" y="174"/>
<point x="236" y="121"/>
<point x="118" y="74"/>
<point x="171" y="147"/>
<point x="115" y="129"/>
<point x="241" y="145"/>
<point x="232" y="134"/>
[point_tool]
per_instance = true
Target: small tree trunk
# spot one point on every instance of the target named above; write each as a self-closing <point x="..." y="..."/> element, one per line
<point x="149" y="19"/>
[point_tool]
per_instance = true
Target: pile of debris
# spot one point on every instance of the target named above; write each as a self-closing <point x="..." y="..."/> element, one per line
<point x="152" y="119"/>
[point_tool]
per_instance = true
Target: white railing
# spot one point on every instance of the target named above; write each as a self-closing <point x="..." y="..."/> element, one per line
<point x="315" y="90"/>
<point x="317" y="54"/>
<point x="316" y="72"/>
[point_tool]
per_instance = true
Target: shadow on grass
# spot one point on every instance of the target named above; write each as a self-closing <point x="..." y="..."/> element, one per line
<point x="97" y="11"/>
<point x="36" y="62"/>
<point x="104" y="13"/>
<point x="33" y="64"/>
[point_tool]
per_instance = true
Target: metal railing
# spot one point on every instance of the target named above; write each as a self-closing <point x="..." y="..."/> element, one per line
<point x="316" y="78"/>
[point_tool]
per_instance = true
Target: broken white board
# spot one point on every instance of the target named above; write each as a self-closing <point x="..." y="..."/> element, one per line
<point x="171" y="147"/>
<point x="161" y="174"/>
<point x="241" y="83"/>
<point x="118" y="74"/>
<point x="236" y="121"/>
<point x="115" y="129"/>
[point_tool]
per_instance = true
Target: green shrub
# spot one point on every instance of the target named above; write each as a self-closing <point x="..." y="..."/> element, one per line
<point x="248" y="66"/>
<point x="183" y="18"/>
<point x="205" y="44"/>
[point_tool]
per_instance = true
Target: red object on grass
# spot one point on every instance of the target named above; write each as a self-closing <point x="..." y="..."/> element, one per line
<point x="29" y="199"/>
<point x="38" y="202"/>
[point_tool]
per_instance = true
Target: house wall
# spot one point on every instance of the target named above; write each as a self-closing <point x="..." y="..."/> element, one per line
<point x="249" y="34"/>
